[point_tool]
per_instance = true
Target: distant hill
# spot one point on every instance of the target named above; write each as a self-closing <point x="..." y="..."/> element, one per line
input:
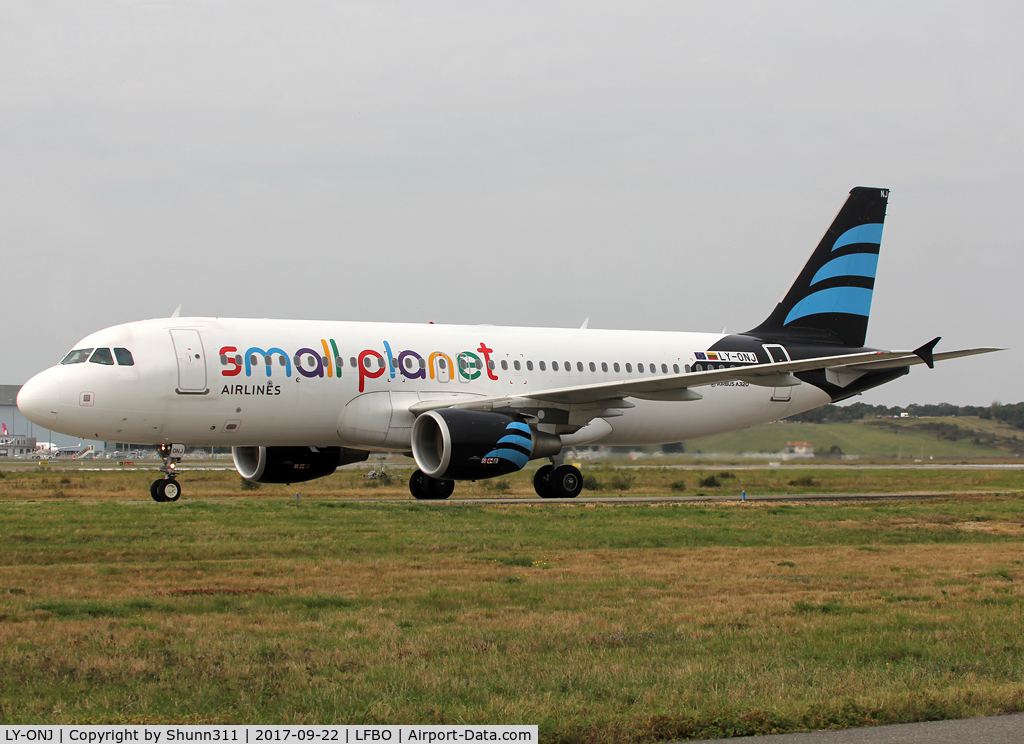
<point x="931" y="436"/>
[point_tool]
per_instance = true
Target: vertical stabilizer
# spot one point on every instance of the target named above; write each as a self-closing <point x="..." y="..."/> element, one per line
<point x="830" y="301"/>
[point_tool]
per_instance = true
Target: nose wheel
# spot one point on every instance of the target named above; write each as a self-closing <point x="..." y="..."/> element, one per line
<point x="167" y="488"/>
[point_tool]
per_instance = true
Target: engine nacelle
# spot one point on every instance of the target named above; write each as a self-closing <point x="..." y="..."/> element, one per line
<point x="455" y="444"/>
<point x="291" y="464"/>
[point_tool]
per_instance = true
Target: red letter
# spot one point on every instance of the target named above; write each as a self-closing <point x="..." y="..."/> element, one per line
<point x="487" y="360"/>
<point x="230" y="360"/>
<point x="364" y="372"/>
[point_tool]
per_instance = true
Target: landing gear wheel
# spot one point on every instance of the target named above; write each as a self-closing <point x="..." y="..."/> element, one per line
<point x="165" y="490"/>
<point x="565" y="483"/>
<point x="441" y="489"/>
<point x="417" y="486"/>
<point x="422" y="486"/>
<point x="542" y="481"/>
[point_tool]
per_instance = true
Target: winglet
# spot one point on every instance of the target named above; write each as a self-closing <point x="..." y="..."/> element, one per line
<point x="585" y="322"/>
<point x="177" y="312"/>
<point x="925" y="352"/>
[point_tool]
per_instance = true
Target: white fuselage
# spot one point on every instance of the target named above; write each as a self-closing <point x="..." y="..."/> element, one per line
<point x="206" y="381"/>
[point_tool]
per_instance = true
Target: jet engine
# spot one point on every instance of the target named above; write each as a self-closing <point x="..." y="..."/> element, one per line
<point x="456" y="444"/>
<point x="291" y="464"/>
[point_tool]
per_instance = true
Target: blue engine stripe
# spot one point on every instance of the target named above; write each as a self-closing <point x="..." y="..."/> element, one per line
<point x="854" y="264"/>
<point x="516" y="457"/>
<point x="519" y="426"/>
<point x="851" y="300"/>
<point x="870" y="233"/>
<point x="523" y="442"/>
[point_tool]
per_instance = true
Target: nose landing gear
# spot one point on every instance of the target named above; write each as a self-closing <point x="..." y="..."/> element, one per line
<point x="167" y="488"/>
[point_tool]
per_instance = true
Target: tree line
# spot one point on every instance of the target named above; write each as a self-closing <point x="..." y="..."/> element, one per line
<point x="1012" y="413"/>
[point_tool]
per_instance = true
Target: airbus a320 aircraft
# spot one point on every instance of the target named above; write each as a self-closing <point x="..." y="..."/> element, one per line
<point x="296" y="399"/>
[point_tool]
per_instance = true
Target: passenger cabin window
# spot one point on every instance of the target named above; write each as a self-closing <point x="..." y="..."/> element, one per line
<point x="352" y="362"/>
<point x="516" y="365"/>
<point x="504" y="364"/>
<point x="579" y="366"/>
<point x="102" y="356"/>
<point x="554" y="366"/>
<point x="675" y="368"/>
<point x="77" y="356"/>
<point x="124" y="357"/>
<point x="640" y="367"/>
<point x="664" y="368"/>
<point x="529" y="365"/>
<point x="629" y="367"/>
<point x="604" y="366"/>
<point x="543" y="366"/>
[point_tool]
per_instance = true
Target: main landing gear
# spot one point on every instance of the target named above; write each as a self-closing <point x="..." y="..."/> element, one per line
<point x="562" y="482"/>
<point x="433" y="489"/>
<point x="167" y="488"/>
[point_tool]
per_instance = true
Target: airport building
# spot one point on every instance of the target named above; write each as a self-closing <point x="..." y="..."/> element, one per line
<point x="17" y="446"/>
<point x="20" y="429"/>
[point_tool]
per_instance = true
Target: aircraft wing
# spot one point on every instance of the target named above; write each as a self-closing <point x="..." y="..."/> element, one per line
<point x="906" y="361"/>
<point x="678" y="387"/>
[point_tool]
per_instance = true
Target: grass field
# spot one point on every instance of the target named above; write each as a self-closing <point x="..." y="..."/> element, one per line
<point x="599" y="623"/>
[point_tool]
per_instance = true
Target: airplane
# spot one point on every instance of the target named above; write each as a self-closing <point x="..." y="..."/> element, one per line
<point x="296" y="399"/>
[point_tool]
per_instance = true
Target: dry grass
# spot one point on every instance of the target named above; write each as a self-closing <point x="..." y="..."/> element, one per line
<point x="87" y="483"/>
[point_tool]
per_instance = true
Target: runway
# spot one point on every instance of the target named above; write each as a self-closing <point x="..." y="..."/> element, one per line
<point x="673" y="499"/>
<point x="989" y="730"/>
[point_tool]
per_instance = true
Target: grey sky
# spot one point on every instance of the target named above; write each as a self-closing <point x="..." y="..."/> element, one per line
<point x="649" y="165"/>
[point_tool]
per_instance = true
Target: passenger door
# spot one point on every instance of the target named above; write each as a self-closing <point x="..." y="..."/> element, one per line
<point x="188" y="349"/>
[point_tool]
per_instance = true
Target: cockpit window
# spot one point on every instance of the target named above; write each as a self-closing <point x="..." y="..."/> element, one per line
<point x="77" y="356"/>
<point x="124" y="357"/>
<point x="102" y="356"/>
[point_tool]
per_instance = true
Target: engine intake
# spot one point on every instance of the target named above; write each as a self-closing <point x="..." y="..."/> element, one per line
<point x="291" y="464"/>
<point x="455" y="444"/>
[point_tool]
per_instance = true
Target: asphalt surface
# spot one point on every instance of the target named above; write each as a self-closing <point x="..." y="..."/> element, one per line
<point x="992" y="730"/>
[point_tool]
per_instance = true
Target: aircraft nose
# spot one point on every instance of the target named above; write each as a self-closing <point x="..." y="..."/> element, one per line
<point x="39" y="400"/>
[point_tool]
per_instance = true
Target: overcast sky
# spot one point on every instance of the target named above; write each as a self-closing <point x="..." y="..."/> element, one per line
<point x="647" y="165"/>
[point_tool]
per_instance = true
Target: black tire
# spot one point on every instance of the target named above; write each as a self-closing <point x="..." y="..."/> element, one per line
<point x="422" y="486"/>
<point x="566" y="482"/>
<point x="440" y="489"/>
<point x="157" y="496"/>
<point x="168" y="489"/>
<point x="542" y="481"/>
<point x="416" y="485"/>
